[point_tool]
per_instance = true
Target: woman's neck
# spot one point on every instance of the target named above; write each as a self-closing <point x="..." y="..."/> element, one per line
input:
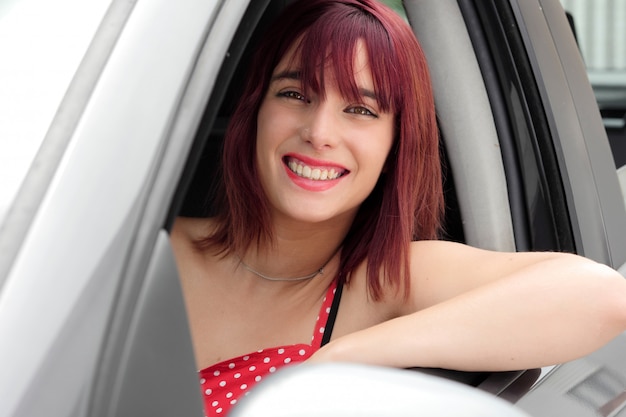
<point x="297" y="250"/>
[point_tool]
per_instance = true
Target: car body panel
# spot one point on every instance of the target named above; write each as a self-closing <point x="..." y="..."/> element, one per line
<point x="90" y="307"/>
<point x="590" y="386"/>
<point x="41" y="44"/>
<point x="367" y="391"/>
<point x="86" y="234"/>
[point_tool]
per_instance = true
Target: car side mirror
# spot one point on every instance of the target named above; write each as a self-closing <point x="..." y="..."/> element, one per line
<point x="340" y="390"/>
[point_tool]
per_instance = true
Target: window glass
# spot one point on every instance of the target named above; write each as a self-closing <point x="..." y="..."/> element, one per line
<point x="600" y="27"/>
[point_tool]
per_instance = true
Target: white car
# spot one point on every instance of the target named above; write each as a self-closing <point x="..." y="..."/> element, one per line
<point x="111" y="115"/>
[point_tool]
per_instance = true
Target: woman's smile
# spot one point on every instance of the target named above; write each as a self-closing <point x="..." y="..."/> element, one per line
<point x="311" y="172"/>
<point x="313" y="175"/>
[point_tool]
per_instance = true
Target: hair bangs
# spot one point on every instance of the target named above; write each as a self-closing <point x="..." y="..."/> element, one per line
<point x="328" y="49"/>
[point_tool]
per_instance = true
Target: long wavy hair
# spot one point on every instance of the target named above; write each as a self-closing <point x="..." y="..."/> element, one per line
<point x="407" y="201"/>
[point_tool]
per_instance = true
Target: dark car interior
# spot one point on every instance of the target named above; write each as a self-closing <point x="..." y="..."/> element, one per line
<point x="615" y="123"/>
<point x="613" y="109"/>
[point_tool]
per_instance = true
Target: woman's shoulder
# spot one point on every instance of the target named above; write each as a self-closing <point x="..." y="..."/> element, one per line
<point x="436" y="244"/>
<point x="187" y="232"/>
<point x="191" y="228"/>
<point x="186" y="238"/>
<point x="438" y="250"/>
<point x="434" y="250"/>
<point x="448" y="260"/>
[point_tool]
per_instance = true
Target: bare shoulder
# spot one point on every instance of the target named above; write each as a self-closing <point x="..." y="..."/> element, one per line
<point x="187" y="230"/>
<point x="430" y="265"/>
<point x="184" y="237"/>
<point x="194" y="263"/>
<point x="431" y="283"/>
<point x="441" y="270"/>
<point x="431" y="252"/>
<point x="441" y="256"/>
<point x="430" y="258"/>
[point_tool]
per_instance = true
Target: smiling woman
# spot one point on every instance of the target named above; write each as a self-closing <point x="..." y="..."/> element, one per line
<point x="404" y="188"/>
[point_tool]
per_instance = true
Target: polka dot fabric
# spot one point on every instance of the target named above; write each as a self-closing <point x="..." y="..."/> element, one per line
<point x="224" y="383"/>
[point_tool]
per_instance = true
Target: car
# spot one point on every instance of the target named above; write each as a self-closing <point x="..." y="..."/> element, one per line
<point x="112" y="115"/>
<point x="601" y="37"/>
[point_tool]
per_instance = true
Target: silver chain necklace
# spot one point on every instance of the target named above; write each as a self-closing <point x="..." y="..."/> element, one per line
<point x="303" y="278"/>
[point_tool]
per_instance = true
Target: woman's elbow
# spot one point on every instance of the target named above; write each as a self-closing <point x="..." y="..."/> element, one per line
<point x="611" y="288"/>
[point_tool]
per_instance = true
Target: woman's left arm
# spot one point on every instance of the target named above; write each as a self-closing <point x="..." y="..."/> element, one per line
<point x="477" y="310"/>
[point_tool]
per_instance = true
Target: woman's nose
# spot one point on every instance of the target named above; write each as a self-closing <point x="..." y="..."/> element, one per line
<point x="320" y="128"/>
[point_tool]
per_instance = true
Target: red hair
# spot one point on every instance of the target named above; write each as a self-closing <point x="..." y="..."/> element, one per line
<point x="407" y="201"/>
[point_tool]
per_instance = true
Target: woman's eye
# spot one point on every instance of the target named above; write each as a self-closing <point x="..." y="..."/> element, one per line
<point x="293" y="94"/>
<point x="360" y="110"/>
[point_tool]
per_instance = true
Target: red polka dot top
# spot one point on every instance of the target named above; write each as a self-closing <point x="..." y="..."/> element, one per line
<point x="224" y="383"/>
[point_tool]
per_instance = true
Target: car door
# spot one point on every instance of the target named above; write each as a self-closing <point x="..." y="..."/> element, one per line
<point x="92" y="320"/>
<point x="531" y="163"/>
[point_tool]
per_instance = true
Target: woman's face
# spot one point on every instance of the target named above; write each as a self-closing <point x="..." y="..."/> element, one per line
<point x="319" y="158"/>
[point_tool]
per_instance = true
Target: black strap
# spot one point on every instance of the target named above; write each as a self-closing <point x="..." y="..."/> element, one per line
<point x="332" y="315"/>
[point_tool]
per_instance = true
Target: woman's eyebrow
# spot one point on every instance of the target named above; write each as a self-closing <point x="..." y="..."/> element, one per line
<point x="368" y="93"/>
<point x="286" y="74"/>
<point x="296" y="75"/>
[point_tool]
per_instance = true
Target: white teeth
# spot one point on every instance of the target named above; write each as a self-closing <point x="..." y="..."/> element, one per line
<point x="306" y="171"/>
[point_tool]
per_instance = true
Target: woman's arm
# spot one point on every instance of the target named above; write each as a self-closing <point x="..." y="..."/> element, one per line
<point x="477" y="310"/>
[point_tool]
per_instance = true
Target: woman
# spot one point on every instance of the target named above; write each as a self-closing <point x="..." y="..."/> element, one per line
<point x="329" y="214"/>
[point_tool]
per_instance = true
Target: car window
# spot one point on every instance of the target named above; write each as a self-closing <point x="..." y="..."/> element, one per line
<point x="41" y="45"/>
<point x="600" y="28"/>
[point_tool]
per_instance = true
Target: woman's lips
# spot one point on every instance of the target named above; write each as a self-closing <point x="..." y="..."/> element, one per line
<point x="311" y="174"/>
<point x="316" y="173"/>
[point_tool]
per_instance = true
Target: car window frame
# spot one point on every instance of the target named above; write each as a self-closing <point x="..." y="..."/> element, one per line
<point x="15" y="225"/>
<point x="590" y="178"/>
<point x="127" y="338"/>
<point x="134" y="266"/>
<point x="535" y="185"/>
